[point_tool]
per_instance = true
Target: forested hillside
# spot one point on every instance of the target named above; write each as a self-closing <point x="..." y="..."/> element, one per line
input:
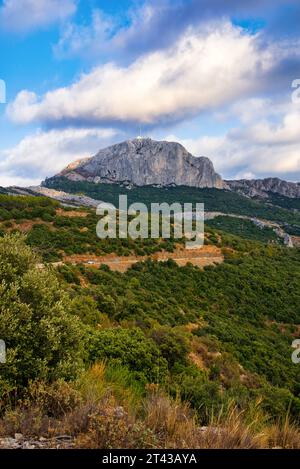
<point x="225" y="201"/>
<point x="112" y="359"/>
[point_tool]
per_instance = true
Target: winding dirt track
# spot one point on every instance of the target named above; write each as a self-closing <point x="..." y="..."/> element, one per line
<point x="207" y="255"/>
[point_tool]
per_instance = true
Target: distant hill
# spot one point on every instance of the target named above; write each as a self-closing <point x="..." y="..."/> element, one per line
<point x="264" y="187"/>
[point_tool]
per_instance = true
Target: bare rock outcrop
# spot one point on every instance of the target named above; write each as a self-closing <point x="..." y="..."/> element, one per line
<point x="261" y="187"/>
<point x="142" y="162"/>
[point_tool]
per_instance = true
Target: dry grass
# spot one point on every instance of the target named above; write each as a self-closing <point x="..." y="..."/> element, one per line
<point x="171" y="420"/>
<point x="282" y="435"/>
<point x="101" y="411"/>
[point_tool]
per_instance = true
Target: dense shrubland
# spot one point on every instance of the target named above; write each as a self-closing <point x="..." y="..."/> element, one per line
<point x="245" y="229"/>
<point x="26" y="207"/>
<point x="214" y="199"/>
<point x="145" y="358"/>
<point x="53" y="233"/>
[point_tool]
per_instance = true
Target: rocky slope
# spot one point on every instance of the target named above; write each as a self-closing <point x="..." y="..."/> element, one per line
<point x="261" y="187"/>
<point x="61" y="196"/>
<point x="142" y="162"/>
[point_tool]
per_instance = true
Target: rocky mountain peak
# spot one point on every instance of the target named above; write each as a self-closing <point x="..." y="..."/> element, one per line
<point x="143" y="161"/>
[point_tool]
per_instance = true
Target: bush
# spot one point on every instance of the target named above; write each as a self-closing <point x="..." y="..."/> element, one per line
<point x="43" y="338"/>
<point x="55" y="399"/>
<point x="203" y="395"/>
<point x="85" y="307"/>
<point x="130" y="347"/>
<point x="172" y="344"/>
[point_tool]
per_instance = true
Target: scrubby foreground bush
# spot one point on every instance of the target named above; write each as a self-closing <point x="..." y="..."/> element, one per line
<point x="43" y="339"/>
<point x="101" y="409"/>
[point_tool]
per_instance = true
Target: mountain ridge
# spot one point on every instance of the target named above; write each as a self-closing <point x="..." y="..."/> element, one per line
<point x="261" y="187"/>
<point x="147" y="162"/>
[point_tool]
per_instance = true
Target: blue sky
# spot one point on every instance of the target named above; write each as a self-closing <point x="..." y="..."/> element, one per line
<point x="214" y="75"/>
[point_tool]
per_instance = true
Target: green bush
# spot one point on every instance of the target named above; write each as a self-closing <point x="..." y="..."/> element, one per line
<point x="205" y="396"/>
<point x="85" y="307"/>
<point x="172" y="343"/>
<point x="43" y="339"/>
<point x="130" y="347"/>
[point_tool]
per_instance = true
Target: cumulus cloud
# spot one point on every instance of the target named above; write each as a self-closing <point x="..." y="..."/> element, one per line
<point x="155" y="24"/>
<point x="46" y="153"/>
<point x="260" y="149"/>
<point x="26" y="15"/>
<point x="205" y="69"/>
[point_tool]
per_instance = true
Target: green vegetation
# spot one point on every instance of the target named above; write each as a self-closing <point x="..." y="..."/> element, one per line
<point x="26" y="208"/>
<point x="78" y="236"/>
<point x="131" y="348"/>
<point x="244" y="228"/>
<point x="284" y="202"/>
<point x="155" y="345"/>
<point x="214" y="199"/>
<point x="246" y="317"/>
<point x="52" y="232"/>
<point x="42" y="337"/>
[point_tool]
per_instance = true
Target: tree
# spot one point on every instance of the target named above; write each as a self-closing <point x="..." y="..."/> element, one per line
<point x="43" y="339"/>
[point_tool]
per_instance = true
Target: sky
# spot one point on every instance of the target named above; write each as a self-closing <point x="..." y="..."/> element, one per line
<point x="220" y="77"/>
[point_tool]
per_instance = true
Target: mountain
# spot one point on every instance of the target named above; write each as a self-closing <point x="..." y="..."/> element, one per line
<point x="262" y="187"/>
<point x="144" y="162"/>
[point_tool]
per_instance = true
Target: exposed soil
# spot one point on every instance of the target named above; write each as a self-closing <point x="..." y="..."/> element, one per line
<point x="71" y="213"/>
<point x="296" y="241"/>
<point x="200" y="257"/>
<point x="26" y="225"/>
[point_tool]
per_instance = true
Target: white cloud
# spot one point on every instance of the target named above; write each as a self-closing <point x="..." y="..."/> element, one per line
<point x="46" y="153"/>
<point x="26" y="15"/>
<point x="259" y="150"/>
<point x="205" y="69"/>
<point x="87" y="40"/>
<point x="112" y="36"/>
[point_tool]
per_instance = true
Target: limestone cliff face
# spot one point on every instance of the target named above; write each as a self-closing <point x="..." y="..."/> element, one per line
<point x="261" y="187"/>
<point x="142" y="162"/>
